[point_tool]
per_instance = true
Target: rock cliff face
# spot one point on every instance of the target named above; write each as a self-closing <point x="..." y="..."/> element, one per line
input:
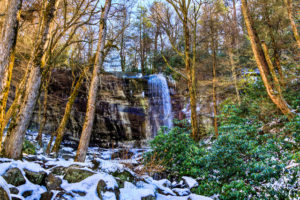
<point x="122" y="112"/>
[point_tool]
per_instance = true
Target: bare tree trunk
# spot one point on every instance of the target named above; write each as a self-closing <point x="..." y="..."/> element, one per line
<point x="17" y="130"/>
<point x="191" y="86"/>
<point x="61" y="129"/>
<point x="289" y="7"/>
<point x="122" y="54"/>
<point x="39" y="138"/>
<point x="91" y="106"/>
<point x="260" y="58"/>
<point x="234" y="39"/>
<point x="214" y="89"/>
<point x="7" y="54"/>
<point x="271" y="67"/>
<point x="234" y="76"/>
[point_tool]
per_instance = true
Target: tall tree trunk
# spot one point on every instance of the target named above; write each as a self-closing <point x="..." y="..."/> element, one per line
<point x="191" y="86"/>
<point x="234" y="76"/>
<point x="234" y="42"/>
<point x="17" y="130"/>
<point x="289" y="7"/>
<point x="63" y="123"/>
<point x="214" y="88"/>
<point x="154" y="67"/>
<point x="277" y="99"/>
<point x="7" y="54"/>
<point x="91" y="106"/>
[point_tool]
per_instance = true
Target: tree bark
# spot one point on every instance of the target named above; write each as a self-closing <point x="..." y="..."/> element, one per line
<point x="191" y="85"/>
<point x="214" y="89"/>
<point x="289" y="7"/>
<point x="260" y="58"/>
<point x="7" y="54"/>
<point x="91" y="106"/>
<point x="19" y="125"/>
<point x="234" y="40"/>
<point x="39" y="138"/>
<point x="234" y="76"/>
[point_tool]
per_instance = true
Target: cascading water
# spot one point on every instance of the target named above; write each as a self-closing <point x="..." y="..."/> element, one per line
<point x="160" y="112"/>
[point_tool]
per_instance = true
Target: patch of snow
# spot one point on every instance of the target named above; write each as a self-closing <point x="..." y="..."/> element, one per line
<point x="89" y="186"/>
<point x="37" y="190"/>
<point x="131" y="192"/>
<point x="20" y="165"/>
<point x="159" y="185"/>
<point x="110" y="166"/>
<point x="182" y="191"/>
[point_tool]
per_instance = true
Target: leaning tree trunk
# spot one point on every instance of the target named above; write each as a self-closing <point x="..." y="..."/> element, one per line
<point x="63" y="123"/>
<point x="19" y="124"/>
<point x="262" y="64"/>
<point x="91" y="106"/>
<point x="7" y="54"/>
<point x="289" y="6"/>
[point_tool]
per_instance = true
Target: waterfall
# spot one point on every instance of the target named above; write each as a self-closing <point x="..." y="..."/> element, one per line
<point x="160" y="112"/>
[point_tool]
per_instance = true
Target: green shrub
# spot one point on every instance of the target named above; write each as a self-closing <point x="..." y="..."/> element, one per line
<point x="241" y="163"/>
<point x="175" y="150"/>
<point x="28" y="147"/>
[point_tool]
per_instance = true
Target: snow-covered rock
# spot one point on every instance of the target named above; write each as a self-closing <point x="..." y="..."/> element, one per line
<point x="181" y="191"/>
<point x="190" y="182"/>
<point x="131" y="192"/>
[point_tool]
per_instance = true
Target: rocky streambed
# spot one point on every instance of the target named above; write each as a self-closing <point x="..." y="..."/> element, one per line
<point x="107" y="174"/>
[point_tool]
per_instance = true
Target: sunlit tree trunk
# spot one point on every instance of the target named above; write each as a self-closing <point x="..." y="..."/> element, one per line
<point x="91" y="106"/>
<point x="63" y="123"/>
<point x="191" y="85"/>
<point x="7" y="54"/>
<point x="262" y="64"/>
<point x="289" y="7"/>
<point x="19" y="124"/>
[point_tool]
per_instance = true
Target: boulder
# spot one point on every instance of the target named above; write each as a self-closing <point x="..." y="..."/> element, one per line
<point x="74" y="175"/>
<point x="102" y="188"/>
<point x="27" y="193"/>
<point x="59" y="170"/>
<point x="14" y="190"/>
<point x="53" y="182"/>
<point x="46" y="195"/>
<point x="36" y="177"/>
<point x="14" y="176"/>
<point x="124" y="175"/>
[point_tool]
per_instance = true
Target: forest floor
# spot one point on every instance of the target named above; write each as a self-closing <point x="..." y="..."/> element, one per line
<point x="107" y="174"/>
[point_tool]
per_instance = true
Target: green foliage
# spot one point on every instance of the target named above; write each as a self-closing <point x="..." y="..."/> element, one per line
<point x="241" y="163"/>
<point x="175" y="150"/>
<point x="29" y="147"/>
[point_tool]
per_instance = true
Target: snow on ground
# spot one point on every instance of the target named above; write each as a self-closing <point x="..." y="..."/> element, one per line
<point x="86" y="189"/>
